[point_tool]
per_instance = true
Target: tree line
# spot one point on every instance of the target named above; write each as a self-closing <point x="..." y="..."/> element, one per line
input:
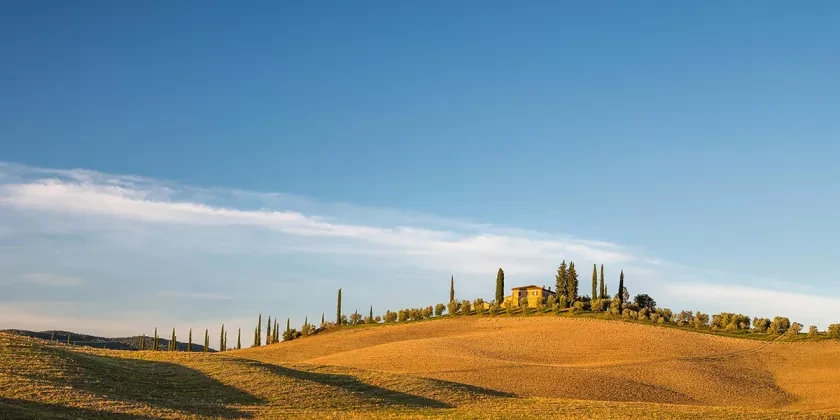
<point x="566" y="299"/>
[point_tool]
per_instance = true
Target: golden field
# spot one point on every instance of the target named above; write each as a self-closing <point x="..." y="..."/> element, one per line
<point x="464" y="367"/>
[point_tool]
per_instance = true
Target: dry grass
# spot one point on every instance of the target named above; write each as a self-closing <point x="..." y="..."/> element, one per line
<point x="471" y="367"/>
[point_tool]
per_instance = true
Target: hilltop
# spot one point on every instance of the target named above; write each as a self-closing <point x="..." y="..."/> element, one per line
<point x="463" y="367"/>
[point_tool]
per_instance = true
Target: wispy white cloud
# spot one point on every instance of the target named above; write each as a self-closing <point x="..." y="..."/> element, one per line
<point x="87" y="193"/>
<point x="129" y="218"/>
<point x="48" y="279"/>
<point x="803" y="308"/>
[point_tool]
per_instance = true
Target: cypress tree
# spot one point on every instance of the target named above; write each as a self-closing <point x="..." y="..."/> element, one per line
<point x="256" y="338"/>
<point x="268" y="331"/>
<point x="594" y="281"/>
<point x="172" y="345"/>
<point x="259" y="330"/>
<point x="452" y="288"/>
<point x="189" y="345"/>
<point x="68" y="338"/>
<point x="222" y="339"/>
<point x="155" y="342"/>
<point x="52" y="337"/>
<point x="322" y="319"/>
<point x="621" y="288"/>
<point x="239" y="339"/>
<point x="338" y="309"/>
<point x="143" y="342"/>
<point x="572" y="284"/>
<point x="500" y="286"/>
<point x="603" y="286"/>
<point x="226" y="341"/>
<point x="371" y="313"/>
<point x="276" y="331"/>
<point x="288" y="327"/>
<point x="206" y="340"/>
<point x="560" y="281"/>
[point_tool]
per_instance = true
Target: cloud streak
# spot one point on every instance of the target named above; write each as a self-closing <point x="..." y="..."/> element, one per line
<point x="91" y="194"/>
<point x="47" y="279"/>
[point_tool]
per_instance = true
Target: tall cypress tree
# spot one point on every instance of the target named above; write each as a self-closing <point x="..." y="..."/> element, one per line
<point x="222" y="339"/>
<point x="594" y="281"/>
<point x="500" y="286"/>
<point x="452" y="288"/>
<point x="172" y="345"/>
<point x="288" y="326"/>
<point x="256" y="338"/>
<point x="239" y="339"/>
<point x="560" y="280"/>
<point x="143" y="342"/>
<point x="338" y="309"/>
<point x="603" y="286"/>
<point x="572" y="284"/>
<point x="621" y="288"/>
<point x="259" y="330"/>
<point x="371" y="313"/>
<point x="206" y="340"/>
<point x="268" y="331"/>
<point x="189" y="345"/>
<point x="155" y="341"/>
<point x="322" y="319"/>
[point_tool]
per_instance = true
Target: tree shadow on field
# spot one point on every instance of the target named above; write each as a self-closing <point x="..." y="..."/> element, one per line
<point x="21" y="409"/>
<point x="471" y="389"/>
<point x="155" y="383"/>
<point x="351" y="384"/>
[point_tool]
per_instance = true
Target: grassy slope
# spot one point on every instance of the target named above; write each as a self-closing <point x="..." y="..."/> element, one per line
<point x="469" y="367"/>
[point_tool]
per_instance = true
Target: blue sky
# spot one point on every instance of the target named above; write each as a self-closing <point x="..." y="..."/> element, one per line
<point x="178" y="162"/>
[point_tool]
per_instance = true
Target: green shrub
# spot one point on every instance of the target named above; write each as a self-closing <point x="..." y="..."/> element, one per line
<point x="452" y="308"/>
<point x="428" y="312"/>
<point x="812" y="331"/>
<point x="701" y="320"/>
<point x="643" y="314"/>
<point x="403" y="315"/>
<point x="465" y="307"/>
<point x="439" y="308"/>
<point x="834" y="330"/>
<point x="509" y="307"/>
<point x="761" y="325"/>
<point x="579" y="305"/>
<point x="478" y="304"/>
<point x="794" y="329"/>
<point x="665" y="313"/>
<point x="685" y="318"/>
<point x="562" y="301"/>
<point x="661" y="321"/>
<point x="779" y="325"/>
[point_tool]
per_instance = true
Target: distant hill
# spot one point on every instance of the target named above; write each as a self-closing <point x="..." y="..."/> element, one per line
<point x="113" y="343"/>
